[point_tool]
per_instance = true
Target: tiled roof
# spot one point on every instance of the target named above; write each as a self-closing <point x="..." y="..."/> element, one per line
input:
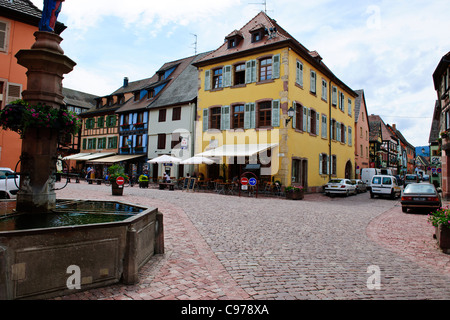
<point x="24" y="11"/>
<point x="78" y="98"/>
<point x="275" y="36"/>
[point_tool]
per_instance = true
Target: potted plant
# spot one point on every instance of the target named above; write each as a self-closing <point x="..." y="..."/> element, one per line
<point x="440" y="219"/>
<point x="143" y="181"/>
<point x="294" y="192"/>
<point x="115" y="171"/>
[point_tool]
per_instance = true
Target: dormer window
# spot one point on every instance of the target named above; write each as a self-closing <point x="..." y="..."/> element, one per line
<point x="99" y="103"/>
<point x="150" y="94"/>
<point x="233" y="39"/>
<point x="137" y="96"/>
<point x="258" y="33"/>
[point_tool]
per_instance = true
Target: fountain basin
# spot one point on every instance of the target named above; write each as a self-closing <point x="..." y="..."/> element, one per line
<point x="104" y="242"/>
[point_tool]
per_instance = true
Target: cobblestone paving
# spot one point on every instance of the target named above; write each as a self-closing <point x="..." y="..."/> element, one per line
<point x="229" y="247"/>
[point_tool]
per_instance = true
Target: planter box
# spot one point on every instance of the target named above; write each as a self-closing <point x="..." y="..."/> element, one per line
<point x="117" y="190"/>
<point x="443" y="238"/>
<point x="295" y="195"/>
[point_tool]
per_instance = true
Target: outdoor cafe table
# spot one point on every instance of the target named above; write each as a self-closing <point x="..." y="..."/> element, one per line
<point x="224" y="187"/>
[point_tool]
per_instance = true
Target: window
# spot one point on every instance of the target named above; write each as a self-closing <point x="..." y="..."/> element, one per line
<point x="333" y="164"/>
<point x="323" y="164"/>
<point x="313" y="82"/>
<point x="90" y="123"/>
<point x="2" y="87"/>
<point x="162" y="115"/>
<point x="238" y="116"/>
<point x="349" y="107"/>
<point x="139" y="140"/>
<point x="257" y="36"/>
<point x="161" y="141"/>
<point x="112" y="142"/>
<point x="298" y="117"/>
<point x="265" y="69"/>
<point x="324" y="90"/>
<point x="232" y="43"/>
<point x="176" y="114"/>
<point x="14" y="92"/>
<point x="111" y="121"/>
<point x="217" y="78"/>
<point x="313" y="122"/>
<point x="101" y="143"/>
<point x="299" y="74"/>
<point x="334" y="96"/>
<point x="3" y="36"/>
<point x="100" y="122"/>
<point x="215" y="117"/>
<point x="150" y="93"/>
<point x="265" y="114"/>
<point x="341" y="101"/>
<point x="333" y="129"/>
<point x="176" y="139"/>
<point x="92" y="143"/>
<point x="239" y="74"/>
<point x="140" y="117"/>
<point x="350" y="138"/>
<point x="324" y="126"/>
<point x="137" y="96"/>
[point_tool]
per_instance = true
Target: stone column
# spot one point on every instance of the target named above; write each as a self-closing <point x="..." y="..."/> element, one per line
<point x="46" y="64"/>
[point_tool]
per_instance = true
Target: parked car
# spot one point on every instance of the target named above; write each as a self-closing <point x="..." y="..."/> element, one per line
<point x="360" y="185"/>
<point x="411" y="178"/>
<point x="8" y="187"/>
<point x="340" y="186"/>
<point x="383" y="185"/>
<point x="368" y="173"/>
<point x="421" y="195"/>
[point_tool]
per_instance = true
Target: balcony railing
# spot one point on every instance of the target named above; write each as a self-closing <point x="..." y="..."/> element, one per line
<point x="132" y="127"/>
<point x="133" y="150"/>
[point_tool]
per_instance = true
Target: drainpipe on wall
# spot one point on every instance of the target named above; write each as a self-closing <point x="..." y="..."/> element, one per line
<point x="329" y="133"/>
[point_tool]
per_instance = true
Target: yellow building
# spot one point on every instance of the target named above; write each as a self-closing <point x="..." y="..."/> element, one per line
<point x="268" y="105"/>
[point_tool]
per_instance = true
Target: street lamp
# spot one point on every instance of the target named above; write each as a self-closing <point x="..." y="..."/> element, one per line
<point x="291" y="113"/>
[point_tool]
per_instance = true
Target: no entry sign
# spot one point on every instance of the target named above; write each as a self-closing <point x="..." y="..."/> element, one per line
<point x="244" y="181"/>
<point x="120" y="181"/>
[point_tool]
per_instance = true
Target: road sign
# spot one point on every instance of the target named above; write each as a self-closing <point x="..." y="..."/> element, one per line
<point x="244" y="181"/>
<point x="120" y="181"/>
<point x="252" y="181"/>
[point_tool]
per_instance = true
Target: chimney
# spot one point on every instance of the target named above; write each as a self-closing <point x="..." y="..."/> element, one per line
<point x="125" y="82"/>
<point x="393" y="126"/>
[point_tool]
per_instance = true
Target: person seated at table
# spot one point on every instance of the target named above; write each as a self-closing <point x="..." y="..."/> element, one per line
<point x="166" y="178"/>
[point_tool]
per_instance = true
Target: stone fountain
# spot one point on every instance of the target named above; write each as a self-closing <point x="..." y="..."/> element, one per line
<point x="51" y="247"/>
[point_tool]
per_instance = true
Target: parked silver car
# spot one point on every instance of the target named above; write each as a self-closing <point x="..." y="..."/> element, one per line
<point x="8" y="187"/>
<point x="340" y="186"/>
<point x="360" y="185"/>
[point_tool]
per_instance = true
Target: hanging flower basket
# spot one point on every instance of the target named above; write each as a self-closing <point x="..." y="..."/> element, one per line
<point x="18" y="116"/>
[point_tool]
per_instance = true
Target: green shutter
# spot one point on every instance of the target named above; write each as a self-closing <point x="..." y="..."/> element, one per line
<point x="225" y="118"/>
<point x="317" y="123"/>
<point x="275" y="113"/>
<point x="84" y="144"/>
<point x="247" y="116"/>
<point x="227" y="76"/>
<point x="252" y="115"/>
<point x="305" y="119"/>
<point x="248" y="71"/>
<point x="309" y="120"/>
<point x="205" y="119"/>
<point x="276" y="66"/>
<point x="207" y="80"/>
<point x="320" y="164"/>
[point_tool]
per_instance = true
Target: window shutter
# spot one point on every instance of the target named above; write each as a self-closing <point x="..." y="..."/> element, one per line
<point x="313" y="82"/>
<point x="294" y="118"/>
<point x="305" y="119"/>
<point x="345" y="134"/>
<point x="207" y="80"/>
<point x="94" y="143"/>
<point x="320" y="164"/>
<point x="225" y="118"/>
<point x="14" y="92"/>
<point x="275" y="113"/>
<point x="334" y="96"/>
<point x="276" y="66"/>
<point x="227" y="76"/>
<point x="250" y="71"/>
<point x="205" y="119"/>
<point x="252" y="115"/>
<point x="317" y="123"/>
<point x="84" y="144"/>
<point x="309" y="120"/>
<point x="350" y="107"/>
<point x="299" y="74"/>
<point x="329" y="164"/>
<point x="350" y="138"/>
<point x="247" y="116"/>
<point x="338" y="131"/>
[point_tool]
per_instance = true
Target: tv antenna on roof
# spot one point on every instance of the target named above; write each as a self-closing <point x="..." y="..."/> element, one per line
<point x="264" y="3"/>
<point x="195" y="43"/>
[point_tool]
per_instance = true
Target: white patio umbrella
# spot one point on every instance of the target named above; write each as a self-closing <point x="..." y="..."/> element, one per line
<point x="198" y="160"/>
<point x="165" y="159"/>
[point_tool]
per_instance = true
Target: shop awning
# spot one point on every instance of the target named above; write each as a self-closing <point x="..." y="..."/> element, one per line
<point x="237" y="150"/>
<point x="77" y="155"/>
<point x="116" y="158"/>
<point x="92" y="156"/>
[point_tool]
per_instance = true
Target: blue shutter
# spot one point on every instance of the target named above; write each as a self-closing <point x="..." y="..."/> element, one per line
<point x="207" y="80"/>
<point x="247" y="116"/>
<point x="227" y="76"/>
<point x="205" y="119"/>
<point x="225" y="118"/>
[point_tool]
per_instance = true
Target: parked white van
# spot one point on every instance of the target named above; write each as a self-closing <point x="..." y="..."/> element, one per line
<point x="8" y="187"/>
<point x="384" y="185"/>
<point x="368" y="173"/>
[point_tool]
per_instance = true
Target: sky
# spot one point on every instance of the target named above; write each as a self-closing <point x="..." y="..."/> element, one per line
<point x="388" y="48"/>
